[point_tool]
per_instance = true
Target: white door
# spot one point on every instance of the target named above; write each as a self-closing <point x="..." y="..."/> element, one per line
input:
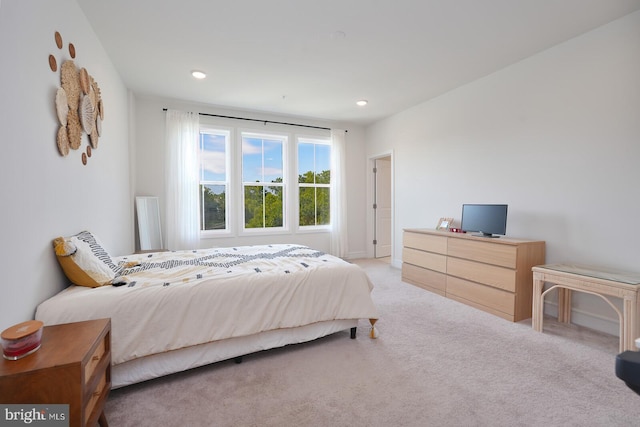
<point x="382" y="207"/>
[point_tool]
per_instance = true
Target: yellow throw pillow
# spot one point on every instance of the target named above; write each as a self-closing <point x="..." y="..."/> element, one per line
<point x="84" y="260"/>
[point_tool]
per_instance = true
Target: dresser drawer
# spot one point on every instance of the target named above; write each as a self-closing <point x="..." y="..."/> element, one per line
<point x="428" y="260"/>
<point x="424" y="278"/>
<point x="492" y="275"/>
<point x="486" y="296"/>
<point x="425" y="242"/>
<point x="490" y="253"/>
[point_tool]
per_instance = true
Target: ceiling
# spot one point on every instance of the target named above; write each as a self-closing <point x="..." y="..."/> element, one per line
<point x="317" y="58"/>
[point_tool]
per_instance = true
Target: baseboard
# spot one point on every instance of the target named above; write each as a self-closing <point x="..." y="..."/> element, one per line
<point x="357" y="255"/>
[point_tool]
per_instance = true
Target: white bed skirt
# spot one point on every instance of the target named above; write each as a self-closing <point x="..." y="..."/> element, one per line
<point x="157" y="365"/>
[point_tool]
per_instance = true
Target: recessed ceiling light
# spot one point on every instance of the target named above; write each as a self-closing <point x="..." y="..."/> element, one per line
<point x="198" y="74"/>
<point x="362" y="102"/>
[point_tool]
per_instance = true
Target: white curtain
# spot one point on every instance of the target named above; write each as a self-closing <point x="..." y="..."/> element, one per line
<point x="339" y="241"/>
<point x="181" y="186"/>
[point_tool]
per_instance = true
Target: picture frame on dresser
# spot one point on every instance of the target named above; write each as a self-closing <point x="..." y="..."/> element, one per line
<point x="444" y="223"/>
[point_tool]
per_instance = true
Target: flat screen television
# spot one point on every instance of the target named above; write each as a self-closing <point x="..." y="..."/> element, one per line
<point x="487" y="220"/>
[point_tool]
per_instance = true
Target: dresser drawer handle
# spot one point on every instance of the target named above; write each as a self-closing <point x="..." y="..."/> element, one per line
<point x="94" y="358"/>
<point x="96" y="393"/>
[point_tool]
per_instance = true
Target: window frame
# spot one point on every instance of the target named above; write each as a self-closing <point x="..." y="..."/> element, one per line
<point x="229" y="218"/>
<point x="315" y="140"/>
<point x="284" y="138"/>
<point x="234" y="208"/>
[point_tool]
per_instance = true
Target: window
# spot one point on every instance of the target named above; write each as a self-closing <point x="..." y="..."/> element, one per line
<point x="214" y="183"/>
<point x="314" y="182"/>
<point x="249" y="182"/>
<point x="263" y="180"/>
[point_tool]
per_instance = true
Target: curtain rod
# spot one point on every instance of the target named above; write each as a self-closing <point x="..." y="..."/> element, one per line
<point x="260" y="121"/>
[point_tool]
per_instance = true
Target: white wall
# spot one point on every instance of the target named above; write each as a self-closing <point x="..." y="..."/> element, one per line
<point x="45" y="195"/>
<point x="149" y="125"/>
<point x="556" y="136"/>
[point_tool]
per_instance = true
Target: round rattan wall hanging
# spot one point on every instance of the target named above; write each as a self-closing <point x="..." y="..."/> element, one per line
<point x="78" y="105"/>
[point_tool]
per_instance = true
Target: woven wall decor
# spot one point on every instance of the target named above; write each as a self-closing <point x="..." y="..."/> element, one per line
<point x="78" y="104"/>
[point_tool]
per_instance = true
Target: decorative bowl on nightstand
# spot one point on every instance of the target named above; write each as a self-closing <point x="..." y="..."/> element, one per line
<point x="21" y="340"/>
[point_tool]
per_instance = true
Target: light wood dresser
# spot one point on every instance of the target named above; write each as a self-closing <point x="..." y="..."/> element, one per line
<point x="73" y="366"/>
<point x="491" y="274"/>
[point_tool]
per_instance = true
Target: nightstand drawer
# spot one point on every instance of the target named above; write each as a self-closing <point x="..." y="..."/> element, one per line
<point x="95" y="359"/>
<point x="95" y="396"/>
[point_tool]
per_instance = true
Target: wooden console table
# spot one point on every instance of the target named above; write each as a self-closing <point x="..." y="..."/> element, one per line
<point x="568" y="277"/>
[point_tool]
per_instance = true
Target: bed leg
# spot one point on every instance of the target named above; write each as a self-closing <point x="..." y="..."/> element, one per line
<point x="237" y="360"/>
<point x="374" y="332"/>
<point x="353" y="333"/>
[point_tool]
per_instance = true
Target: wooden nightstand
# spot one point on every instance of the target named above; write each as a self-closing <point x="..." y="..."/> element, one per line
<point x="73" y="366"/>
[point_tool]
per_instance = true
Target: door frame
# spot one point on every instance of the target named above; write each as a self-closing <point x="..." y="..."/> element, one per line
<point x="371" y="161"/>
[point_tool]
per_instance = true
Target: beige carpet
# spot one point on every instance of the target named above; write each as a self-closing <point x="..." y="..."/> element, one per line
<point x="437" y="363"/>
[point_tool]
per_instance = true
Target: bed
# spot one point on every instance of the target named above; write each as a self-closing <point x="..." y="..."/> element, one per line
<point x="172" y="311"/>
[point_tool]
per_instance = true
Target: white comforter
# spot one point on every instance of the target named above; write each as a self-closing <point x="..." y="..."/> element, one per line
<point x="173" y="300"/>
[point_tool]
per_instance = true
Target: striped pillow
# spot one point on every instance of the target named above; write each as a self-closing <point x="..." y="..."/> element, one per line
<point x="84" y="260"/>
